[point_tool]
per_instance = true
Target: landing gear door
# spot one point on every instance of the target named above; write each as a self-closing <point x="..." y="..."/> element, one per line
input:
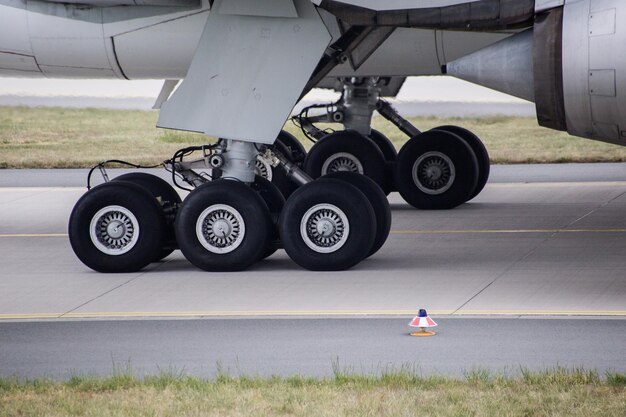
<point x="248" y="73"/>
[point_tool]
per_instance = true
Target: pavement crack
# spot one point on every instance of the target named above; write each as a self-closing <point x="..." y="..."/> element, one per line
<point x="601" y="206"/>
<point x="101" y="295"/>
<point x="113" y="289"/>
<point x="535" y="248"/>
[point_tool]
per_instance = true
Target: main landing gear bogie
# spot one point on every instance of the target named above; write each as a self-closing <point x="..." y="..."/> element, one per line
<point x="429" y="173"/>
<point x="231" y="218"/>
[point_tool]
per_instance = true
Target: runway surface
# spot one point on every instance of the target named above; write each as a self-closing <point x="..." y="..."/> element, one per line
<point x="312" y="347"/>
<point x="539" y="241"/>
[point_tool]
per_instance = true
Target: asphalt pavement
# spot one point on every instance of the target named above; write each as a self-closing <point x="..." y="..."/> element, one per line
<point x="530" y="273"/>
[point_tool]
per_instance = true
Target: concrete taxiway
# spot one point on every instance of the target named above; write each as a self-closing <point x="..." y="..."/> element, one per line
<point x="539" y="241"/>
<point x="553" y="247"/>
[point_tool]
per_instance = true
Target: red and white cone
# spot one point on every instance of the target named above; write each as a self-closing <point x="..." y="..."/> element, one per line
<point x="423" y="322"/>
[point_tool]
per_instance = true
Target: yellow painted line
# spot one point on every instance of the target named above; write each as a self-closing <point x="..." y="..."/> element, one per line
<point x="621" y="313"/>
<point x="34" y="235"/>
<point x="459" y="231"/>
<point x="557" y="184"/>
<point x="296" y="313"/>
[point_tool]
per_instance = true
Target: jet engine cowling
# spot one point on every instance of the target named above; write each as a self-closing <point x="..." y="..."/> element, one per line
<point x="573" y="67"/>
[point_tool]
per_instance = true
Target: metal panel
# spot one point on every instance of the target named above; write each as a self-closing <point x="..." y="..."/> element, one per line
<point x="162" y="50"/>
<point x="505" y="66"/>
<point x="459" y="15"/>
<point x="602" y="83"/>
<point x="602" y="23"/>
<point x="267" y="8"/>
<point x="9" y="61"/>
<point x="594" y="69"/>
<point x="108" y="3"/>
<point x="542" y="5"/>
<point x="405" y="52"/>
<point x="576" y="68"/>
<point x="548" y="69"/>
<point x="14" y="27"/>
<point x="67" y="36"/>
<point x="247" y="74"/>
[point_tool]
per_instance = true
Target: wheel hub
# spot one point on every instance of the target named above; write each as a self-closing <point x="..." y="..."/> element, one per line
<point x="114" y="230"/>
<point x="220" y="229"/>
<point x="324" y="228"/>
<point x="263" y="168"/>
<point x="341" y="162"/>
<point x="434" y="173"/>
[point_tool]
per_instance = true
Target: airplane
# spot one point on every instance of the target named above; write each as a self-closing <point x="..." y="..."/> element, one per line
<point x="244" y="64"/>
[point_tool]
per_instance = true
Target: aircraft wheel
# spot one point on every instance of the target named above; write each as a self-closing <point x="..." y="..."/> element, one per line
<point x="346" y="151"/>
<point x="384" y="144"/>
<point x="327" y="225"/>
<point x="391" y="154"/>
<point x="168" y="199"/>
<point x="436" y="170"/>
<point x="223" y="226"/>
<point x="482" y="155"/>
<point x="117" y="227"/>
<point x="377" y="199"/>
<point x="291" y="147"/>
<point x="275" y="202"/>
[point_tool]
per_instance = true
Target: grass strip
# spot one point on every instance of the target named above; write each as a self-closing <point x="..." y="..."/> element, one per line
<point x="47" y="137"/>
<point x="404" y="392"/>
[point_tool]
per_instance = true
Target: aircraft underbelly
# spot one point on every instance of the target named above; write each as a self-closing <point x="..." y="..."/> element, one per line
<point x="70" y="41"/>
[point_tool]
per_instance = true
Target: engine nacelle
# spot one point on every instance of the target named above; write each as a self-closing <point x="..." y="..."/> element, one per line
<point x="76" y="41"/>
<point x="572" y="64"/>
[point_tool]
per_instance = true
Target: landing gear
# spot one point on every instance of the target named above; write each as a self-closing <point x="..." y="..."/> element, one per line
<point x="378" y="200"/>
<point x="275" y="201"/>
<point x="346" y="151"/>
<point x="436" y="170"/>
<point x="232" y="218"/>
<point x="293" y="150"/>
<point x="435" y="184"/>
<point x="117" y="227"/>
<point x="482" y="156"/>
<point x="167" y="198"/>
<point x="223" y="226"/>
<point x="327" y="225"/>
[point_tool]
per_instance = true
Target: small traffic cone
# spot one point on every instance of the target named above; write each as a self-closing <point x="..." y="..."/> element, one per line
<point x="422" y="321"/>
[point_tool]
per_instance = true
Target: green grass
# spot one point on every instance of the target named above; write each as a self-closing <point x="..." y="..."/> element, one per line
<point x="72" y="138"/>
<point x="557" y="392"/>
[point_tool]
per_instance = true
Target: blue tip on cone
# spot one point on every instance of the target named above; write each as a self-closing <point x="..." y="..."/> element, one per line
<point x="423" y="313"/>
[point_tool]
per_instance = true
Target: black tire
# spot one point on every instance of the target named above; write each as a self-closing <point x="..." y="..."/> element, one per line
<point x="233" y="197"/>
<point x="97" y="205"/>
<point x="291" y="147"/>
<point x="378" y="200"/>
<point x="275" y="202"/>
<point x="360" y="149"/>
<point x="327" y="194"/>
<point x="448" y="191"/>
<point x="168" y="199"/>
<point x="284" y="184"/>
<point x="384" y="144"/>
<point x="482" y="155"/>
